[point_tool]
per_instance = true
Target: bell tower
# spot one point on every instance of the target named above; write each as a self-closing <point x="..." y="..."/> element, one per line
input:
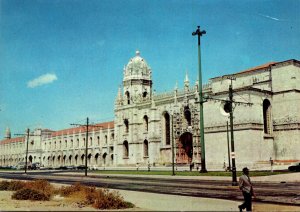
<point x="7" y="133"/>
<point x="137" y="81"/>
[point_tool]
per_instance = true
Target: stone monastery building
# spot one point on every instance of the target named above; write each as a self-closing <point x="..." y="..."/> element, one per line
<point x="146" y="123"/>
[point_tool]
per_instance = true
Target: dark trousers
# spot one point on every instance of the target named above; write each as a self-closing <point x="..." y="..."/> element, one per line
<point x="247" y="201"/>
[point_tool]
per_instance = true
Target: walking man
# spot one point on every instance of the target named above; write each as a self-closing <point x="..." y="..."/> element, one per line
<point x="246" y="187"/>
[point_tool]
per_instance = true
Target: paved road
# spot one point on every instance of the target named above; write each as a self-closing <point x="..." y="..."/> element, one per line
<point x="267" y="192"/>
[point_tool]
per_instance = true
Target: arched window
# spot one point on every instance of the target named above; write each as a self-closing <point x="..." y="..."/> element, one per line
<point x="146" y="149"/>
<point x="125" y="149"/>
<point x="146" y="123"/>
<point x="187" y="116"/>
<point x="112" y="136"/>
<point x="71" y="143"/>
<point x="76" y="157"/>
<point x="126" y="123"/>
<point x="98" y="140"/>
<point x="127" y="94"/>
<point x="77" y="145"/>
<point x="167" y="128"/>
<point x="91" y="141"/>
<point x="89" y="158"/>
<point x="267" y="116"/>
<point x="105" y="139"/>
<point x="104" y="158"/>
<point x="82" y="158"/>
<point x="96" y="158"/>
<point x="66" y="145"/>
<point x="70" y="159"/>
<point x="145" y="94"/>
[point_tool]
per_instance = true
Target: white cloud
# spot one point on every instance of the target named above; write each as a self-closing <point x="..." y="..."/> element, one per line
<point x="42" y="80"/>
<point x="270" y="17"/>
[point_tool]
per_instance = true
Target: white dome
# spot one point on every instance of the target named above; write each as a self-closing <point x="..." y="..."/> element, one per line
<point x="137" y="66"/>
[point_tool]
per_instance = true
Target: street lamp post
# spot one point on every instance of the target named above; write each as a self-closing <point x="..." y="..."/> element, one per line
<point x="173" y="154"/>
<point x="26" y="154"/>
<point x="86" y="144"/>
<point x="203" y="166"/>
<point x="228" y="145"/>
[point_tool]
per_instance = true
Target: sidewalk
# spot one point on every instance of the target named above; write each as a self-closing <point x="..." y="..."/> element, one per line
<point x="164" y="202"/>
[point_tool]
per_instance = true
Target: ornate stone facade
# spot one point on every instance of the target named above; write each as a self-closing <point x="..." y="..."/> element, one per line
<point x="147" y="125"/>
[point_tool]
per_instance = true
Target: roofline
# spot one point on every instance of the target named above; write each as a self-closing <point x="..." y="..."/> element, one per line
<point x="67" y="131"/>
<point x="258" y="68"/>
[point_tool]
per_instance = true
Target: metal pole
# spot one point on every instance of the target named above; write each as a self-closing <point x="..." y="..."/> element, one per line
<point x="173" y="154"/>
<point x="228" y="147"/>
<point x="234" y="181"/>
<point x="26" y="154"/>
<point x="203" y="165"/>
<point x="86" y="144"/>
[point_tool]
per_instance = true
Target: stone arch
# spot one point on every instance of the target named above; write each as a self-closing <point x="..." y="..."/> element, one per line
<point x="125" y="149"/>
<point x="70" y="159"/>
<point x="187" y="115"/>
<point x="30" y="159"/>
<point x="267" y="116"/>
<point x="76" y="159"/>
<point x="146" y="124"/>
<point x="82" y="158"/>
<point x="64" y="159"/>
<point x="145" y="93"/>
<point x="127" y="94"/>
<point x="104" y="158"/>
<point x="185" y="148"/>
<point x="59" y="160"/>
<point x="146" y="148"/>
<point x="126" y="124"/>
<point x="111" y="158"/>
<point x="89" y="158"/>
<point x="166" y="128"/>
<point x="97" y="158"/>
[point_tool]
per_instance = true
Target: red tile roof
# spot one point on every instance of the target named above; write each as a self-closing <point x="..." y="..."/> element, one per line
<point x="264" y="66"/>
<point x="13" y="140"/>
<point x="261" y="67"/>
<point x="74" y="130"/>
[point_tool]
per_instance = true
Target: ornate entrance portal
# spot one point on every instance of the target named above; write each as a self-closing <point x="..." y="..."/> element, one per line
<point x="184" y="154"/>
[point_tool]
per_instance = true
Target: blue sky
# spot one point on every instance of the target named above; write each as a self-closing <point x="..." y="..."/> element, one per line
<point x="62" y="60"/>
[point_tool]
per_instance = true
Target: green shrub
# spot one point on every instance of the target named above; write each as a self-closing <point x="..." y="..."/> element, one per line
<point x="30" y="194"/>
